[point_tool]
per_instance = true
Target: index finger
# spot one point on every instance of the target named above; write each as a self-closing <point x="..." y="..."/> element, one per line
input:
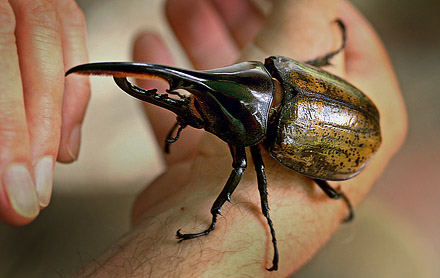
<point x="242" y="18"/>
<point x="18" y="197"/>
<point x="76" y="88"/>
<point x="202" y="33"/>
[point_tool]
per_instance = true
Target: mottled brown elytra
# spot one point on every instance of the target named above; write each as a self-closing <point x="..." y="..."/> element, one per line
<point x="309" y="120"/>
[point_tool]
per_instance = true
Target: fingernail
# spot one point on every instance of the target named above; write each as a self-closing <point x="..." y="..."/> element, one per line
<point x="74" y="142"/>
<point x="43" y="179"/>
<point x="21" y="191"/>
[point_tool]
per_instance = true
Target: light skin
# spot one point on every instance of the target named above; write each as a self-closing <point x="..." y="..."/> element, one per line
<point x="40" y="111"/>
<point x="304" y="217"/>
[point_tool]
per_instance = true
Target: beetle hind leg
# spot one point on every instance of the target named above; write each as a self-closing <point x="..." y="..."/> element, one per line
<point x="239" y="164"/>
<point x="325" y="60"/>
<point x="262" y="188"/>
<point x="336" y="194"/>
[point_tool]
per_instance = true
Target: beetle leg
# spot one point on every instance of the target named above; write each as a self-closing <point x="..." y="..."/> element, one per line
<point x="325" y="60"/>
<point x="262" y="188"/>
<point x="239" y="164"/>
<point x="336" y="194"/>
<point x="170" y="139"/>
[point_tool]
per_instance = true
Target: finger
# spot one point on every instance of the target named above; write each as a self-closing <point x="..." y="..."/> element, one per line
<point x="361" y="53"/>
<point x="301" y="30"/>
<point x="76" y="88"/>
<point x="242" y="18"/>
<point x="202" y="33"/>
<point x="149" y="47"/>
<point x="39" y="45"/>
<point x="364" y="52"/>
<point x="18" y="198"/>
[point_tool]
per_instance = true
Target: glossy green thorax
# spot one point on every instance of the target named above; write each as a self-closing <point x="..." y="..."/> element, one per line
<point x="235" y="102"/>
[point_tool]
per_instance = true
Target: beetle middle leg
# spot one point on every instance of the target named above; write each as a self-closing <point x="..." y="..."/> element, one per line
<point x="325" y="60"/>
<point x="336" y="194"/>
<point x="239" y="164"/>
<point x="262" y="188"/>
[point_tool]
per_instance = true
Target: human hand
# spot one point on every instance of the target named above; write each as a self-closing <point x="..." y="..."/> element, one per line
<point x="40" y="113"/>
<point x="213" y="34"/>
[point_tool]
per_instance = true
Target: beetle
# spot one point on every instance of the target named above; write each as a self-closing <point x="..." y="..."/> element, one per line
<point x="308" y="119"/>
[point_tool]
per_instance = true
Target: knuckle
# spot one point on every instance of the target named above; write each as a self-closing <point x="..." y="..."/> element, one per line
<point x="50" y="120"/>
<point x="71" y="13"/>
<point x="12" y="130"/>
<point x="42" y="15"/>
<point x="7" y="19"/>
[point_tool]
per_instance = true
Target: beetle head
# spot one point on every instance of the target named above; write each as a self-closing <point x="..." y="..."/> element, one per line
<point x="232" y="102"/>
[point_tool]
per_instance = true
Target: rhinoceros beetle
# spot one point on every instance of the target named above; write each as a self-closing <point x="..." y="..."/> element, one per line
<point x="309" y="120"/>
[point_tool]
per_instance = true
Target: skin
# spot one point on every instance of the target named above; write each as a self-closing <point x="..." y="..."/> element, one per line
<point x="213" y="33"/>
<point x="40" y="111"/>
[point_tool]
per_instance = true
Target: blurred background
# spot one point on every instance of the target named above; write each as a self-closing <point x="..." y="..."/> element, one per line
<point x="396" y="232"/>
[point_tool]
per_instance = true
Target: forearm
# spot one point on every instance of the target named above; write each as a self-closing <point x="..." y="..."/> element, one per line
<point x="303" y="216"/>
<point x="240" y="244"/>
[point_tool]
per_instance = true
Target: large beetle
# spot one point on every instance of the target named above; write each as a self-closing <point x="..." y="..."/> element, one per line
<point x="309" y="120"/>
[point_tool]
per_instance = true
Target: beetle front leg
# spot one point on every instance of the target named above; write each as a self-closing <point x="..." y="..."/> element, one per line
<point x="325" y="60"/>
<point x="170" y="139"/>
<point x="335" y="194"/>
<point x="239" y="164"/>
<point x="262" y="188"/>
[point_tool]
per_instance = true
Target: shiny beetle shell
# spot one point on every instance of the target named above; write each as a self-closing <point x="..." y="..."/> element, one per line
<point x="325" y="128"/>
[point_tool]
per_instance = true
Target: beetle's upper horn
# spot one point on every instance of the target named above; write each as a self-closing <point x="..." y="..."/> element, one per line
<point x="247" y="75"/>
<point x="233" y="101"/>
<point x="172" y="75"/>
